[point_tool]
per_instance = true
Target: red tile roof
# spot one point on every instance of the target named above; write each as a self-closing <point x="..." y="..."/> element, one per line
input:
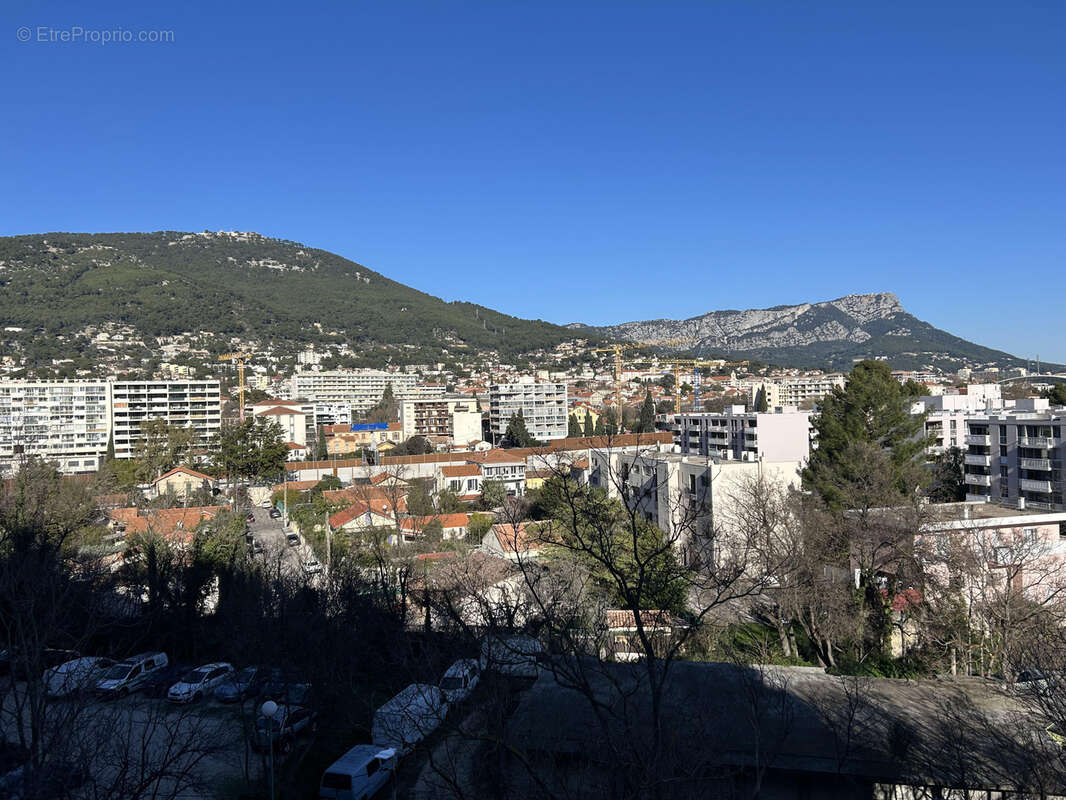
<point x="446" y="521"/>
<point x="185" y="470"/>
<point x="176" y="524"/>
<point x="279" y="411"/>
<point x="461" y="471"/>
<point x="356" y="510"/>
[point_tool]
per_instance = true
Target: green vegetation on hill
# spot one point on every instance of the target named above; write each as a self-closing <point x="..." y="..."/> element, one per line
<point x="239" y="285"/>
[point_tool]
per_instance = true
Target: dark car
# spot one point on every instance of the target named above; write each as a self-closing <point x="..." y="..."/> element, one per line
<point x="275" y="514"/>
<point x="242" y="684"/>
<point x="283" y="687"/>
<point x="293" y="539"/>
<point x="281" y="730"/>
<point x="250" y="517"/>
<point x="159" y="683"/>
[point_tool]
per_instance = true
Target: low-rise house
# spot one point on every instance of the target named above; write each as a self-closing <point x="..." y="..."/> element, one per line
<point x="176" y="525"/>
<point x="506" y="467"/>
<point x="520" y="541"/>
<point x="360" y="516"/>
<point x="453" y="526"/>
<point x="463" y="479"/>
<point x="181" y="482"/>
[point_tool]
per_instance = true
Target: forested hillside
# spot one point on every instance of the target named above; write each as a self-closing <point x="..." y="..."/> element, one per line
<point x="240" y="284"/>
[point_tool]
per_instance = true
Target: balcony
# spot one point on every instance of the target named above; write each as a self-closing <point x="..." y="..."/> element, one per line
<point x="1029" y="485"/>
<point x="1043" y="464"/>
<point x="983" y="441"/>
<point x="978" y="480"/>
<point x="1040" y="442"/>
<point x="978" y="461"/>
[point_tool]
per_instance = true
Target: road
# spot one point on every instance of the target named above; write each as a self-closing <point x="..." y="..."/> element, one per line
<point x="271" y="534"/>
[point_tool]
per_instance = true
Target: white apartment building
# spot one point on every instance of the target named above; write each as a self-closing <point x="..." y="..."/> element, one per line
<point x="793" y="391"/>
<point x="454" y="417"/>
<point x="685" y="496"/>
<point x="193" y="404"/>
<point x="543" y="406"/>
<point x="359" y="388"/>
<point x="947" y="414"/>
<point x="67" y="422"/>
<point x="1016" y="457"/>
<point x="783" y="434"/>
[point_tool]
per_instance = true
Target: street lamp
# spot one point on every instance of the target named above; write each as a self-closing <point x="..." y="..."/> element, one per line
<point x="268" y="710"/>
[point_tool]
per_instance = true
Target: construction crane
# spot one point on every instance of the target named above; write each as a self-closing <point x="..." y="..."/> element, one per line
<point x="695" y="364"/>
<point x="240" y="359"/>
<point x="617" y="350"/>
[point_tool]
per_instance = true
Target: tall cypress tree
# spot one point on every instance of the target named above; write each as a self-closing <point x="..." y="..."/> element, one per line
<point x="590" y="426"/>
<point x="646" y="423"/>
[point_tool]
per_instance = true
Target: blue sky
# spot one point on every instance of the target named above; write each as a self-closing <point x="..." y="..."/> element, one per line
<point x="604" y="163"/>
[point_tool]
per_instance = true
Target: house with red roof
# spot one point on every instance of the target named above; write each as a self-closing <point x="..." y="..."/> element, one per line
<point x="181" y="482"/>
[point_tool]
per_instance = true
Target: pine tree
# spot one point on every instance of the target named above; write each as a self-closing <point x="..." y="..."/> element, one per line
<point x="646" y="423"/>
<point x="873" y="412"/>
<point x="517" y="435"/>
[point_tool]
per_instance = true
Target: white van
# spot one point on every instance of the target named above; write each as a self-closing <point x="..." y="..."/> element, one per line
<point x="75" y="676"/>
<point x="459" y="680"/>
<point x="358" y="774"/>
<point x="127" y="676"/>
<point x="409" y="717"/>
<point x="511" y="655"/>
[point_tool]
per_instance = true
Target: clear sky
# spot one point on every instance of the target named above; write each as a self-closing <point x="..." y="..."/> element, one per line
<point x="617" y="161"/>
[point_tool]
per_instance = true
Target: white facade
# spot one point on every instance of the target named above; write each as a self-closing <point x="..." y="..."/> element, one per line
<point x="684" y="496"/>
<point x="781" y="435"/>
<point x="453" y="417"/>
<point x="186" y="404"/>
<point x="947" y="414"/>
<point x="359" y="388"/>
<point x="543" y="406"/>
<point x="794" y="391"/>
<point x="67" y="422"/>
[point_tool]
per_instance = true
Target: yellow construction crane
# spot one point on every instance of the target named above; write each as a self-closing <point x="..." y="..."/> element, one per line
<point x="617" y="349"/>
<point x="240" y="359"/>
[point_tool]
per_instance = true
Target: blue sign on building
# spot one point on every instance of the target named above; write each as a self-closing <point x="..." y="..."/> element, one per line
<point x="370" y="426"/>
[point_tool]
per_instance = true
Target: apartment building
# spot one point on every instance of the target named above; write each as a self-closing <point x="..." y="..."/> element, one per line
<point x="795" y="391"/>
<point x="455" y="418"/>
<point x="1015" y="458"/>
<point x="359" y="388"/>
<point x="193" y="404"/>
<point x="685" y="496"/>
<point x="543" y="406"/>
<point x="947" y="414"/>
<point x="67" y="422"/>
<point x="289" y="417"/>
<point x="783" y="434"/>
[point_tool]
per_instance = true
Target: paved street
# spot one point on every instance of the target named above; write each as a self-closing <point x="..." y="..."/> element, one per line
<point x="271" y="534"/>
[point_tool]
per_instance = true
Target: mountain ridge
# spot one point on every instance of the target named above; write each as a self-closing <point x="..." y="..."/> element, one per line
<point x="835" y="332"/>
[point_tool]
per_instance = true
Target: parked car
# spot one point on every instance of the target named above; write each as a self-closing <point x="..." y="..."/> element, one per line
<point x="254" y="546"/>
<point x="267" y="503"/>
<point x="409" y="717"/>
<point x="250" y="517"/>
<point x="293" y="539"/>
<point x="1033" y="681"/>
<point x="286" y="688"/>
<point x="287" y="723"/>
<point x="241" y="685"/>
<point x="201" y="681"/>
<point x="160" y="681"/>
<point x="460" y="679"/>
<point x="129" y="675"/>
<point x="275" y="513"/>
<point x="75" y="676"/>
<point x="358" y="774"/>
<point x="12" y="662"/>
<point x="311" y="565"/>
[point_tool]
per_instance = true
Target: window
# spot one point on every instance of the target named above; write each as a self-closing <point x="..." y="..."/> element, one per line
<point x="372" y="766"/>
<point x="692" y="483"/>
